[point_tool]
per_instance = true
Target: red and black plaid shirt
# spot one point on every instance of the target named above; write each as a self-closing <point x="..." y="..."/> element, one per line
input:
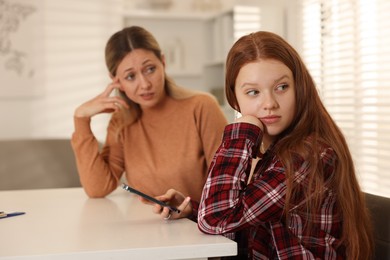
<point x="230" y="205"/>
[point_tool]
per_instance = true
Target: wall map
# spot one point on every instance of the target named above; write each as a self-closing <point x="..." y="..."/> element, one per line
<point x="21" y="47"/>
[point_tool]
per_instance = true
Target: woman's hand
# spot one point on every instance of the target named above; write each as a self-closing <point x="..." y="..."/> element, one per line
<point x="173" y="198"/>
<point x="103" y="103"/>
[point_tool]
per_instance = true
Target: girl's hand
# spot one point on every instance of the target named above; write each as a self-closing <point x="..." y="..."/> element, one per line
<point x="267" y="139"/>
<point x="175" y="199"/>
<point x="103" y="103"/>
<point x="251" y="120"/>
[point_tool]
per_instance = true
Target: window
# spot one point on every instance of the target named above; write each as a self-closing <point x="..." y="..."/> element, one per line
<point x="345" y="46"/>
<point x="246" y="19"/>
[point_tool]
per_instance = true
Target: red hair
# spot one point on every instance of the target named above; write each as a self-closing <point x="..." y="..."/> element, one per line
<point x="311" y="122"/>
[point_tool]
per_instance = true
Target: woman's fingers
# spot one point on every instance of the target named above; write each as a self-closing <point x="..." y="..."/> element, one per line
<point x="113" y="99"/>
<point x="167" y="214"/>
<point x="175" y="199"/>
<point x="113" y="85"/>
<point x="185" y="210"/>
<point x="184" y="207"/>
<point x="117" y="101"/>
<point x="103" y="103"/>
<point x="185" y="204"/>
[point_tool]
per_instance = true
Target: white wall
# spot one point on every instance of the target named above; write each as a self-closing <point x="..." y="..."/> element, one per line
<point x="76" y="32"/>
<point x="75" y="35"/>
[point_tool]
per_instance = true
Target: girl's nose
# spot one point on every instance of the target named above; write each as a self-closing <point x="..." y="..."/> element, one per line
<point x="270" y="102"/>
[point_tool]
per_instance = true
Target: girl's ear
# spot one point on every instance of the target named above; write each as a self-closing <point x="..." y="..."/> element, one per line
<point x="111" y="76"/>
<point x="236" y="106"/>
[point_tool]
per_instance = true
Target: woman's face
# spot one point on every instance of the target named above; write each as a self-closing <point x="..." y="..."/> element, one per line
<point x="265" y="89"/>
<point x="141" y="76"/>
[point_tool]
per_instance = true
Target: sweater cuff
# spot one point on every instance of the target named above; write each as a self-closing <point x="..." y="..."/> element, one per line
<point x="195" y="207"/>
<point x="245" y="131"/>
<point x="82" y="125"/>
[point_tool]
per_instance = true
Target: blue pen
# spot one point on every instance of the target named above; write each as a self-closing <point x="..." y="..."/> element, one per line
<point x="13" y="214"/>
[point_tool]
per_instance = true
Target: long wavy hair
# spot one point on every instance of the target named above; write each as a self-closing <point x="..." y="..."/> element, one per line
<point x="121" y="44"/>
<point x="311" y="122"/>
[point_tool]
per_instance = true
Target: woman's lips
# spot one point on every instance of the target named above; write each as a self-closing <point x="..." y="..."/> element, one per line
<point x="147" y="96"/>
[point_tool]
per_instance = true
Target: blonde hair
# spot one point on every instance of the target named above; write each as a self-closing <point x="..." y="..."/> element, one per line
<point x="118" y="46"/>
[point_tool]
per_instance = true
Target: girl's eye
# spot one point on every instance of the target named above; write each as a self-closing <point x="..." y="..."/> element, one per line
<point x="252" y="92"/>
<point x="281" y="87"/>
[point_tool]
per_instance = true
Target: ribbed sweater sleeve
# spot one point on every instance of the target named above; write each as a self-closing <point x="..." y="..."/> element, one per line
<point x="211" y="122"/>
<point x="97" y="176"/>
<point x="169" y="147"/>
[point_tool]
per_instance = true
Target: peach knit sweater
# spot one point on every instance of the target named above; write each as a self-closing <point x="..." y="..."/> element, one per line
<point x="168" y="147"/>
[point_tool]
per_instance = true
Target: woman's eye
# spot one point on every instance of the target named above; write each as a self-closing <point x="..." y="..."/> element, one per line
<point x="130" y="76"/>
<point x="281" y="87"/>
<point x="150" y="69"/>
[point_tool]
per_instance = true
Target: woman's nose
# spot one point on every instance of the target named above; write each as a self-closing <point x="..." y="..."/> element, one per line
<point x="144" y="82"/>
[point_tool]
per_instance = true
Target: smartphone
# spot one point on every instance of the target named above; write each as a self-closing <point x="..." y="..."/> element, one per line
<point x="159" y="202"/>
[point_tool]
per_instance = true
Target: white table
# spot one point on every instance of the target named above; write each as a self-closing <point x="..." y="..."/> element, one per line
<point x="65" y="224"/>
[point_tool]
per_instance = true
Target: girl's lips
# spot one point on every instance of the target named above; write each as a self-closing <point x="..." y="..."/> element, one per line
<point x="270" y="119"/>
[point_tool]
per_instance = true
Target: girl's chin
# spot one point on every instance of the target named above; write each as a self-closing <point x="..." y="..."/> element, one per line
<point x="269" y="137"/>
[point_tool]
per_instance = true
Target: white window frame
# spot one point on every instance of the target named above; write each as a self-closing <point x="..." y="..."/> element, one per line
<point x="345" y="46"/>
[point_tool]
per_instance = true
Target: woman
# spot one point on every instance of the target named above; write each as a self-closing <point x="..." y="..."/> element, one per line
<point x="283" y="177"/>
<point x="160" y="135"/>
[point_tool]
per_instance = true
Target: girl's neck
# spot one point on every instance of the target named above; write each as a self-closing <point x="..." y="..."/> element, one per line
<point x="265" y="144"/>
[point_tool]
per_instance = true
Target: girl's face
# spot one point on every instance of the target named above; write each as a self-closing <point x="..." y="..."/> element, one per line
<point x="141" y="76"/>
<point x="265" y="89"/>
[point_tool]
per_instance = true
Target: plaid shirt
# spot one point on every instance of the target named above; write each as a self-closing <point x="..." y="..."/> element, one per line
<point x="229" y="204"/>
